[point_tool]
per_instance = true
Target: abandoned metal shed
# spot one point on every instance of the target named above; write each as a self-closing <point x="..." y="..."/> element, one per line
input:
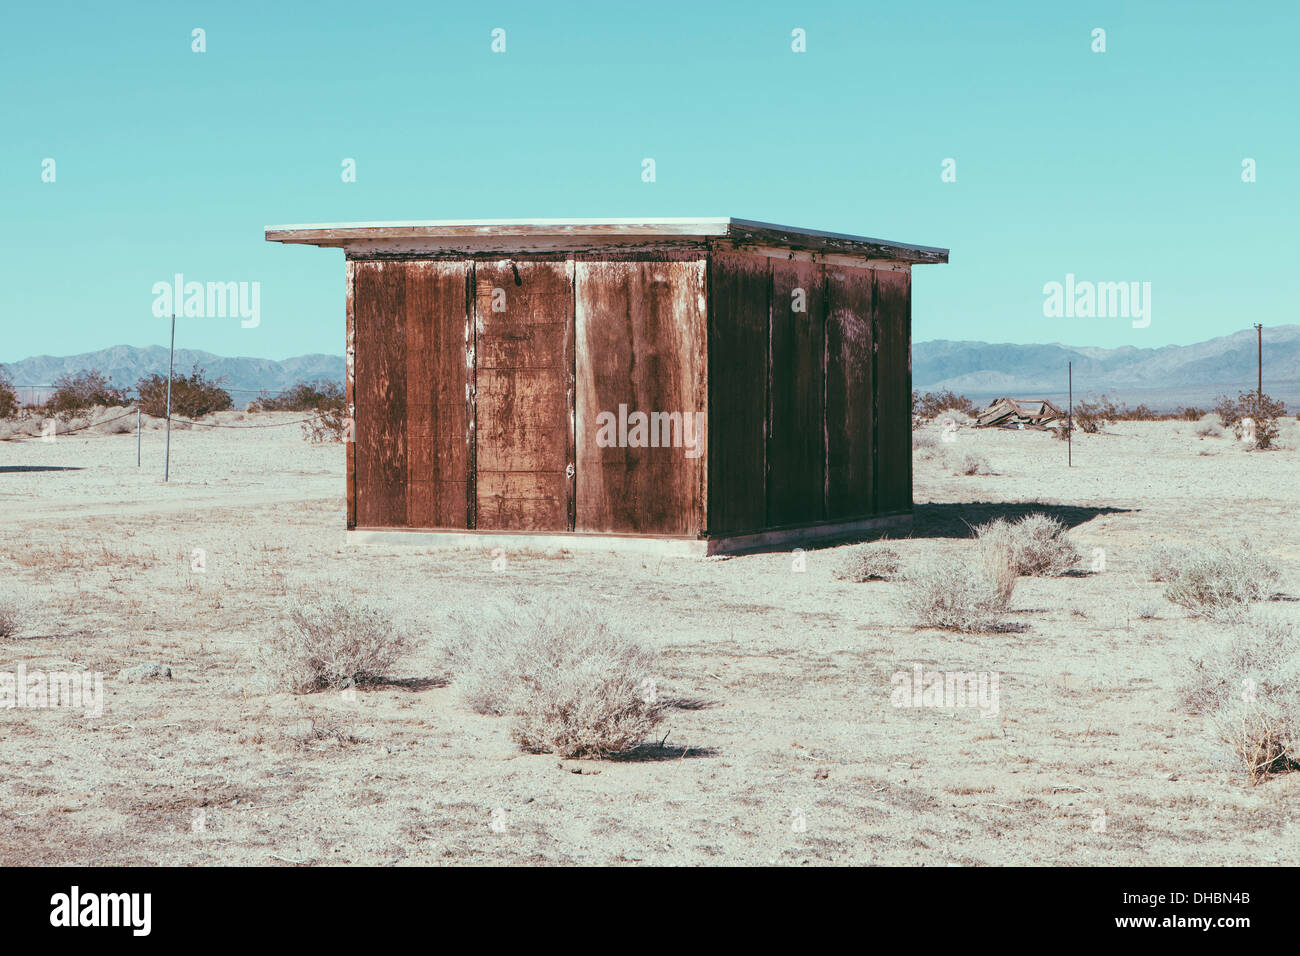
<point x="692" y="385"/>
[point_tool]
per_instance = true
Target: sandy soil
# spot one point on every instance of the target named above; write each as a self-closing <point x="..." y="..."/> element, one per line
<point x="787" y="752"/>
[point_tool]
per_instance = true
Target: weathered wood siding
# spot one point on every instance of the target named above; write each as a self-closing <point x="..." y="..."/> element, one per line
<point x="796" y="440"/>
<point x="893" y="331"/>
<point x="738" y="380"/>
<point x="381" y="394"/>
<point x="350" y="396"/>
<point x="412" y="415"/>
<point x="640" y="344"/>
<point x="793" y="395"/>
<point x="477" y="389"/>
<point x="524" y="388"/>
<point x="850" y="397"/>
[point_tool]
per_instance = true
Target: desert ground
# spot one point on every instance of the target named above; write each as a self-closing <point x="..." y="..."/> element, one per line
<point x="783" y="748"/>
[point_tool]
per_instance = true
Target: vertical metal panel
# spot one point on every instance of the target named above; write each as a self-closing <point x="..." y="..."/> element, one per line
<point x="796" y="444"/>
<point x="849" y="393"/>
<point x="738" y="367"/>
<point x="640" y="329"/>
<point x="381" y="395"/>
<point x="524" y="368"/>
<point x="892" y="311"/>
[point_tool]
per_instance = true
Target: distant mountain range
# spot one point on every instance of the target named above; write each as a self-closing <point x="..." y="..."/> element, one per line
<point x="1160" y="377"/>
<point x="244" y="377"/>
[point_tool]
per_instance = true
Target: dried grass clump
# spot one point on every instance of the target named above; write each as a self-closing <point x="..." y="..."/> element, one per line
<point x="333" y="643"/>
<point x="1250" y="687"/>
<point x="327" y="425"/>
<point x="1160" y="561"/>
<point x="874" y="562"/>
<point x="973" y="464"/>
<point x="922" y="440"/>
<point x="948" y="593"/>
<point x="11" y="617"/>
<point x="998" y="561"/>
<point x="1038" y="544"/>
<point x="569" y="681"/>
<point x="1213" y="579"/>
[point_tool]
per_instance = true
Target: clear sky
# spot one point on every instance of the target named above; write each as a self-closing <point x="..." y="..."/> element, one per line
<point x="1117" y="166"/>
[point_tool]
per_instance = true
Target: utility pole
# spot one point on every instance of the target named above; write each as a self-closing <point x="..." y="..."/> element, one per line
<point x="1259" y="335"/>
<point x="1069" y="420"/>
<point x="171" y="362"/>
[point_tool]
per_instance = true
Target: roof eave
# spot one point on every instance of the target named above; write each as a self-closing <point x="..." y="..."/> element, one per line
<point x="741" y="232"/>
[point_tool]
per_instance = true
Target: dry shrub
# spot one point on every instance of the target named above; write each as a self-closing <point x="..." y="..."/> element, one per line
<point x="1252" y="417"/>
<point x="1038" y="544"/>
<point x="1212" y="579"/>
<point x="326" y="425"/>
<point x="330" y="642"/>
<point x="973" y="464"/>
<point x="1257" y="650"/>
<point x="1250" y="687"/>
<point x="873" y="562"/>
<point x="320" y="394"/>
<point x="569" y="681"/>
<point x="922" y="440"/>
<point x="948" y="593"/>
<point x="9" y="404"/>
<point x="192" y="396"/>
<point x="933" y="404"/>
<point x="85" y="389"/>
<point x="1092" y="416"/>
<point x="1265" y="738"/>
<point x="11" y="617"/>
<point x="1160" y="560"/>
<point x="998" y="561"/>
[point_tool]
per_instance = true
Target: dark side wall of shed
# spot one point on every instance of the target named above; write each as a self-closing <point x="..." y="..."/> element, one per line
<point x="809" y="393"/>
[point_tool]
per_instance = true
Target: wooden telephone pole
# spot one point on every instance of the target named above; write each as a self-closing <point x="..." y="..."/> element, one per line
<point x="1259" y="335"/>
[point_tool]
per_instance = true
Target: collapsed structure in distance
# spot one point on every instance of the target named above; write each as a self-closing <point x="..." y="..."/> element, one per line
<point x="681" y="385"/>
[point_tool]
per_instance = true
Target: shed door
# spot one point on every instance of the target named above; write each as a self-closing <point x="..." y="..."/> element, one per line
<point x="523" y="386"/>
<point x="411" y="395"/>
<point x="641" y="428"/>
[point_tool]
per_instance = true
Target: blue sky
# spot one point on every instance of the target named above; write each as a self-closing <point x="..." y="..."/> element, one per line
<point x="1115" y="166"/>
